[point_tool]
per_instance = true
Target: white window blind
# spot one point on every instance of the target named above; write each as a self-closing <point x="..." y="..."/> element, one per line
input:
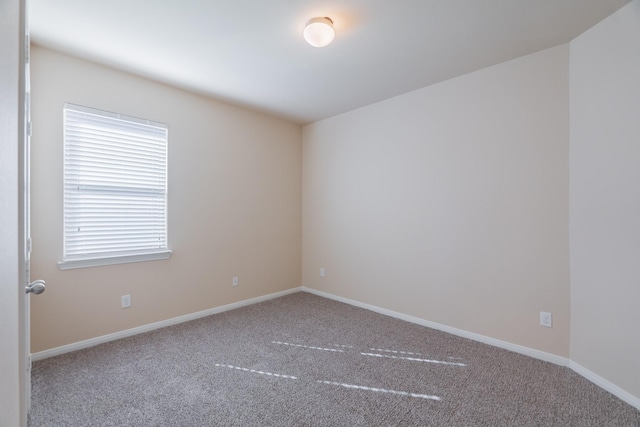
<point x="115" y="188"/>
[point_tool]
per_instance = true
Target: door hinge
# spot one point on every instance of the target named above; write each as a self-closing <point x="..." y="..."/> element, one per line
<point x="27" y="49"/>
<point x="29" y="244"/>
<point x="29" y="127"/>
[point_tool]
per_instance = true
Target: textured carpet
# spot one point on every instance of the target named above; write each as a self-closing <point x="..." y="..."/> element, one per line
<point x="303" y="360"/>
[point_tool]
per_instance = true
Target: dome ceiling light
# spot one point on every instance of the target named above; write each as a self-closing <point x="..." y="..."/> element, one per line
<point x="319" y="32"/>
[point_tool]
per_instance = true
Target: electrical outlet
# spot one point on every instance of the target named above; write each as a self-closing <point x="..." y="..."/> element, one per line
<point x="126" y="301"/>
<point x="545" y="319"/>
<point x="235" y="281"/>
<point x="321" y="272"/>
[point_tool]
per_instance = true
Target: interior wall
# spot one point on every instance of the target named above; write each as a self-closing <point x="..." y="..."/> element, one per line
<point x="605" y="198"/>
<point x="234" y="205"/>
<point x="450" y="203"/>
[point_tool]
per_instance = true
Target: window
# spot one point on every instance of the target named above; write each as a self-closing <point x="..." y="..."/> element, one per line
<point x="115" y="188"/>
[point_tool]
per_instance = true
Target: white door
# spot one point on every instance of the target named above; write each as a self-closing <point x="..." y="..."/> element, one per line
<point x="26" y="217"/>
<point x="13" y="215"/>
<point x="38" y="286"/>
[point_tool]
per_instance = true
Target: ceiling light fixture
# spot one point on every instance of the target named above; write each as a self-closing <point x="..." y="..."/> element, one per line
<point x="319" y="32"/>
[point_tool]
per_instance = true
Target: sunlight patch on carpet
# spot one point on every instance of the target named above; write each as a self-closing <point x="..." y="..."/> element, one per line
<point x="382" y="350"/>
<point x="382" y="390"/>
<point x="343" y="346"/>
<point x="253" y="371"/>
<point x="413" y="359"/>
<point x="335" y="350"/>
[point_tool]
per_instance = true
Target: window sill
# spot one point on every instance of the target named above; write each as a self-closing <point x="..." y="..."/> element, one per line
<point x="120" y="259"/>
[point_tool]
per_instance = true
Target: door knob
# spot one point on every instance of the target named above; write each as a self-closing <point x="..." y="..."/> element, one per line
<point x="36" y="287"/>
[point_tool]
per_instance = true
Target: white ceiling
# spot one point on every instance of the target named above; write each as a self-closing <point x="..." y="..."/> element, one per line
<point x="251" y="52"/>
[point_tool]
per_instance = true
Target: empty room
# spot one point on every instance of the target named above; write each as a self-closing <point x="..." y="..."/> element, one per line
<point x="378" y="212"/>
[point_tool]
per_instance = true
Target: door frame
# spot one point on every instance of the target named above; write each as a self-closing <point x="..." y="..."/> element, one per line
<point x="13" y="404"/>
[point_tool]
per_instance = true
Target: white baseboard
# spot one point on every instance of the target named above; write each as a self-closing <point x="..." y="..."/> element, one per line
<point x="547" y="357"/>
<point x="537" y="354"/>
<point x="605" y="384"/>
<point x="157" y="325"/>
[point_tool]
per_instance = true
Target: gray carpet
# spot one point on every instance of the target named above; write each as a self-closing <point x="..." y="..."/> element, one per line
<point x="303" y="360"/>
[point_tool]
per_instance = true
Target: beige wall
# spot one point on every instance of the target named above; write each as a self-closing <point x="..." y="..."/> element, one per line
<point x="605" y="199"/>
<point x="450" y="203"/>
<point x="234" y="206"/>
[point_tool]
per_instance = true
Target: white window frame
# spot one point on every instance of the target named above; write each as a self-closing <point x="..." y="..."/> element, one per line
<point x="115" y="189"/>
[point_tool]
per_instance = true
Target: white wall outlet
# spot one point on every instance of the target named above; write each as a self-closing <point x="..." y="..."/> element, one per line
<point x="545" y="319"/>
<point x="234" y="282"/>
<point x="321" y="272"/>
<point x="126" y="301"/>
